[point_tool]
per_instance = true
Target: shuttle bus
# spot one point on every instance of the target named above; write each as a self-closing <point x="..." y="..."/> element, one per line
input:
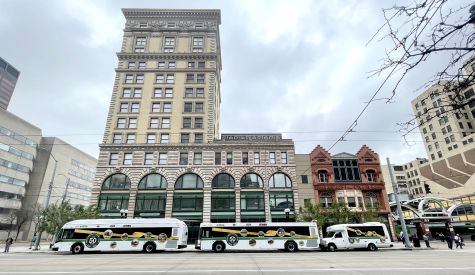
<point x="371" y="236"/>
<point x="290" y="237"/>
<point x="146" y="235"/>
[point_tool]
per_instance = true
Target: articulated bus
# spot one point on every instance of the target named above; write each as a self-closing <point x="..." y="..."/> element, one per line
<point x="146" y="235"/>
<point x="290" y="237"/>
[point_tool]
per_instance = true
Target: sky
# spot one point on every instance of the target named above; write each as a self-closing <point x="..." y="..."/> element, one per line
<point x="296" y="67"/>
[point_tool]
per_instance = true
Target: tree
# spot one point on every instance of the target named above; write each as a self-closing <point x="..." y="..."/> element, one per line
<point x="417" y="33"/>
<point x="56" y="215"/>
<point x="22" y="216"/>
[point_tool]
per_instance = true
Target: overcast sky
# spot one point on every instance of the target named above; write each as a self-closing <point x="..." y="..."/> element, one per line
<point x="288" y="66"/>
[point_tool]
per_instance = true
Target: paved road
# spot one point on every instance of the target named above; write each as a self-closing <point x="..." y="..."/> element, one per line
<point x="432" y="262"/>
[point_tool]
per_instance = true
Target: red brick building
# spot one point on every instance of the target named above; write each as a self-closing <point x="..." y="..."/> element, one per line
<point x="355" y="180"/>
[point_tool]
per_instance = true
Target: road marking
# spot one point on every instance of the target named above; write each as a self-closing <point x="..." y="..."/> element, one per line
<point x="239" y="270"/>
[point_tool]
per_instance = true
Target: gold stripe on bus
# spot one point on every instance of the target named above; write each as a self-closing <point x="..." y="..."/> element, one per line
<point x="269" y="233"/>
<point x="133" y="235"/>
<point x="366" y="234"/>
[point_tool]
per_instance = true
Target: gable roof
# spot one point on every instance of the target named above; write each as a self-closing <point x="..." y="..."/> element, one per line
<point x="344" y="155"/>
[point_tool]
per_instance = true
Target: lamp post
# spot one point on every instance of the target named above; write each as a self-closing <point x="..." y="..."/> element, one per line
<point x="123" y="213"/>
<point x="48" y="197"/>
<point x="287" y="214"/>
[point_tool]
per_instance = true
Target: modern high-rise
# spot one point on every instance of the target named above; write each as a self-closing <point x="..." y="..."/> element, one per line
<point x="448" y="138"/>
<point x="162" y="154"/>
<point x="8" y="78"/>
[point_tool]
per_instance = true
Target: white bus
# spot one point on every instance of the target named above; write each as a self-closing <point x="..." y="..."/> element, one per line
<point x="291" y="237"/>
<point x="371" y="236"/>
<point x="146" y="235"/>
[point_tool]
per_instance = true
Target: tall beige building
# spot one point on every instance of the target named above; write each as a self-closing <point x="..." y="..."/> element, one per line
<point x="162" y="154"/>
<point x="448" y="139"/>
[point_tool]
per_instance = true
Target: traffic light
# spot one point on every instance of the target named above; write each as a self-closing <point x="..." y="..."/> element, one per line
<point x="427" y="188"/>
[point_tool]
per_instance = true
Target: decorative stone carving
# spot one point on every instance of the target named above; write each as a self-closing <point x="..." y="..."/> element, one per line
<point x="223" y="169"/>
<point x="251" y="169"/>
<point x="153" y="170"/>
<point x="185" y="24"/>
<point x="117" y="169"/>
<point x="157" y="24"/>
<point x="189" y="169"/>
<point x="210" y="24"/>
<point x="279" y="168"/>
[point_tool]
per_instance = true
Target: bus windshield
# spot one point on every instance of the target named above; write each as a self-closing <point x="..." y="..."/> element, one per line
<point x="329" y="234"/>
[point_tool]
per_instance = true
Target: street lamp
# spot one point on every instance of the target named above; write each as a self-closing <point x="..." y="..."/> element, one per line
<point x="123" y="213"/>
<point x="48" y="196"/>
<point x="287" y="214"/>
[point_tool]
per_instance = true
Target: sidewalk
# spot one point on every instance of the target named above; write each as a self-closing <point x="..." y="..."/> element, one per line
<point x="24" y="247"/>
<point x="435" y="245"/>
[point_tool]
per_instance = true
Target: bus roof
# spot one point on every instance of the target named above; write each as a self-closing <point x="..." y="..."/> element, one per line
<point x="342" y="226"/>
<point x="257" y="224"/>
<point x="124" y="222"/>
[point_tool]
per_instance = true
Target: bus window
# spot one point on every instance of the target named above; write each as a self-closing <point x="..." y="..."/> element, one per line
<point x="68" y="234"/>
<point x="205" y="232"/>
<point x="330" y="234"/>
<point x="338" y="235"/>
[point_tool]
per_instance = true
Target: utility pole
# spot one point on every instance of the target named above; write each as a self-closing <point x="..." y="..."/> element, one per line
<point x="398" y="204"/>
<point x="65" y="191"/>
<point x="48" y="197"/>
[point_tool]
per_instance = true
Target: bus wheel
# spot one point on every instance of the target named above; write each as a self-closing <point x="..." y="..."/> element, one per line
<point x="372" y="247"/>
<point x="331" y="247"/>
<point x="77" y="248"/>
<point x="291" y="246"/>
<point x="149" y="247"/>
<point x="219" y="247"/>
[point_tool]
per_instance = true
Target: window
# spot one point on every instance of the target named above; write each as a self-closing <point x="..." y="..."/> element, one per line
<point x="164" y="138"/>
<point x="189" y="181"/>
<point x="142" y="65"/>
<point x="162" y="158"/>
<point x="272" y="157"/>
<point x="188" y="202"/>
<point x="252" y="201"/>
<point x="170" y="78"/>
<point x="155" y="107"/>
<point x="251" y="180"/>
<point x="281" y="201"/>
<point x="199" y="138"/>
<point x="351" y="202"/>
<point x="121" y="123"/>
<point x="200" y="92"/>
<point x="188" y="92"/>
<point x="148" y="159"/>
<point x="111" y="203"/>
<point x="168" y="92"/>
<point x="117" y="138"/>
<point x="165" y="123"/>
<point x="154" y="122"/>
<point x="126" y="92"/>
<point x="280" y="180"/>
<point x="198" y="41"/>
<point x="191" y="64"/>
<point x="171" y="65"/>
<point x="223" y="202"/>
<point x="135" y="107"/>
<point x="183" y="158"/>
<point x="257" y="157"/>
<point x="127" y="159"/>
<point x="198" y="158"/>
<point x="283" y="157"/>
<point x="326" y="199"/>
<point x="116" y="182"/>
<point x="161" y="64"/>
<point x="124" y="107"/>
<point x="187" y="122"/>
<point x="129" y="78"/>
<point x="131" y="65"/>
<point x="159" y="78"/>
<point x="113" y="159"/>
<point x="130" y="138"/>
<point x="157" y="92"/>
<point x="149" y="205"/>
<point x="132" y="123"/>
<point x="371" y="200"/>
<point x="151" y="138"/>
<point x="200" y="78"/>
<point x="140" y="41"/>
<point x="245" y="158"/>
<point x="137" y="92"/>
<point x="371" y="175"/>
<point x="185" y="138"/>
<point x="167" y="107"/>
<point x="188" y="107"/>
<point x="198" y="122"/>
<point x="223" y="180"/>
<point x="139" y="79"/>
<point x="346" y="170"/>
<point x="229" y="158"/>
<point x="201" y="64"/>
<point x="304" y="178"/>
<point x="190" y="78"/>
<point x="199" y="107"/>
<point x="217" y="158"/>
<point x="169" y="45"/>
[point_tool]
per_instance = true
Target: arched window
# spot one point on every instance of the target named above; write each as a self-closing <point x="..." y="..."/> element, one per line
<point x="189" y="181"/>
<point x="153" y="181"/>
<point x="280" y="180"/>
<point x="326" y="199"/>
<point x="251" y="180"/>
<point x="116" y="182"/>
<point x="322" y="176"/>
<point x="223" y="180"/>
<point x="371" y="200"/>
<point x="371" y="175"/>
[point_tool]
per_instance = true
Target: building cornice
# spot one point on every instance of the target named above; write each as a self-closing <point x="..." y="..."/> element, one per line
<point x="195" y="146"/>
<point x="209" y="14"/>
<point x="172" y="56"/>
